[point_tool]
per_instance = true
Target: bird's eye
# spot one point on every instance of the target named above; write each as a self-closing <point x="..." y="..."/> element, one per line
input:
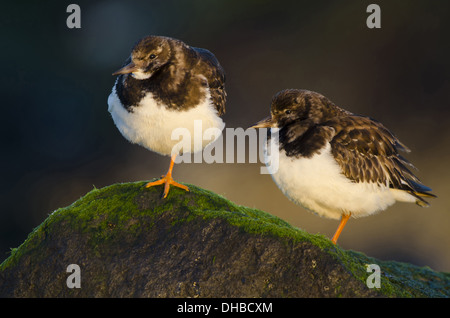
<point x="287" y="111"/>
<point x="152" y="56"/>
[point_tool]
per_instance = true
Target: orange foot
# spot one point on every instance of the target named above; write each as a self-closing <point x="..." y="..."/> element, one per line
<point x="167" y="180"/>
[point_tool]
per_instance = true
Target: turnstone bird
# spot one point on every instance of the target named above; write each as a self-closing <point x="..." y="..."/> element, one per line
<point x="166" y="84"/>
<point x="335" y="163"/>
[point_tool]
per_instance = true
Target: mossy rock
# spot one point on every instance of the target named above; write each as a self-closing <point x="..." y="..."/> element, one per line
<point x="128" y="242"/>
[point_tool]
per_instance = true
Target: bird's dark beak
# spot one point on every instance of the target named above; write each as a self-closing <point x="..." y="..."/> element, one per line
<point x="129" y="68"/>
<point x="267" y="122"/>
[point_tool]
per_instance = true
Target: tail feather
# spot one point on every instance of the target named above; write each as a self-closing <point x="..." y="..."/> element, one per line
<point x="426" y="195"/>
<point x="419" y="196"/>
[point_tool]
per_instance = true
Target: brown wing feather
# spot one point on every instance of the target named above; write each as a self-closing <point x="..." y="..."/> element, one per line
<point x="368" y="152"/>
<point x="215" y="76"/>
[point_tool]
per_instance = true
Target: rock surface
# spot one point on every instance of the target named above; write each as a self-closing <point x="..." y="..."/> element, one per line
<point x="128" y="242"/>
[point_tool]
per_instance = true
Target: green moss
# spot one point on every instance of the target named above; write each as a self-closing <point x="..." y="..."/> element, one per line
<point x="397" y="279"/>
<point x="114" y="213"/>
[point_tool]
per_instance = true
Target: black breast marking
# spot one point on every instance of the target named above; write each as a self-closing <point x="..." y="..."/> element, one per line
<point x="130" y="90"/>
<point x="187" y="93"/>
<point x="304" y="141"/>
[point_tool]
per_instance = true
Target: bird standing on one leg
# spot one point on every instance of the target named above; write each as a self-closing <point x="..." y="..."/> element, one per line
<point x="164" y="85"/>
<point x="335" y="163"/>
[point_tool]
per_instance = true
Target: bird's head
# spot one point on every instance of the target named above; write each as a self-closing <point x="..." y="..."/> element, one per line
<point x="148" y="56"/>
<point x="293" y="105"/>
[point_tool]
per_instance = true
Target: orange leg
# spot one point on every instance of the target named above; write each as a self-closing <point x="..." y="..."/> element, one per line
<point x="167" y="180"/>
<point x="344" y="220"/>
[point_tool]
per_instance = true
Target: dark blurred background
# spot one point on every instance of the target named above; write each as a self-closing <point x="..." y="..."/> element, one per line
<point x="59" y="141"/>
